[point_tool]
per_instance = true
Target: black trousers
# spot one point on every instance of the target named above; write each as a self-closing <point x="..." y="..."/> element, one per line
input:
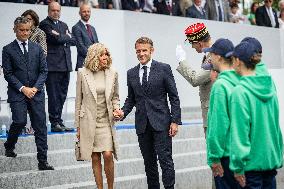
<point x="36" y="110"/>
<point x="261" y="179"/>
<point x="157" y="144"/>
<point x="56" y="88"/>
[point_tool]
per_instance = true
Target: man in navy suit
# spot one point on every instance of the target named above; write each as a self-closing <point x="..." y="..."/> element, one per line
<point x="150" y="83"/>
<point x="85" y="34"/>
<point x="196" y="10"/>
<point x="266" y="15"/>
<point x="59" y="40"/>
<point x="25" y="70"/>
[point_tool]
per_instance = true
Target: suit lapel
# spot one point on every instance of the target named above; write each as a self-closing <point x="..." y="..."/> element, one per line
<point x="109" y="79"/>
<point x="89" y="76"/>
<point x="137" y="78"/>
<point x="30" y="47"/>
<point x="18" y="50"/>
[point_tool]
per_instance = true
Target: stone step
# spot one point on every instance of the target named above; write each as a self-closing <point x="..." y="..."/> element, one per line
<point x="128" y="151"/>
<point x="67" y="140"/>
<point x="193" y="178"/>
<point x="83" y="172"/>
<point x="66" y="157"/>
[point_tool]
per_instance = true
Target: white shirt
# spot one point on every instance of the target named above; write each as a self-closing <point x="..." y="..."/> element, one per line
<point x="85" y="23"/>
<point x="21" y="46"/>
<point x="271" y="16"/>
<point x="141" y="70"/>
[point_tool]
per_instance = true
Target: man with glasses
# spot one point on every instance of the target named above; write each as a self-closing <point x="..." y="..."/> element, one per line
<point x="266" y="15"/>
<point x="25" y="70"/>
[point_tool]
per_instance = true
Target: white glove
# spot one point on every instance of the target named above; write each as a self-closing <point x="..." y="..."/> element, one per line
<point x="180" y="53"/>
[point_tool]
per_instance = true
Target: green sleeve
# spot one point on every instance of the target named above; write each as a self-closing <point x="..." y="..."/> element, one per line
<point x="218" y="124"/>
<point x="239" y="132"/>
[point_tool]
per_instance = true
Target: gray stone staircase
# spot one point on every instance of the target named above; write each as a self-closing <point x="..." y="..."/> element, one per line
<point x="188" y="153"/>
<point x="21" y="172"/>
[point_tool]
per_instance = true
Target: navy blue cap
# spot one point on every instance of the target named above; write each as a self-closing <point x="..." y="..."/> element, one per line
<point x="221" y="47"/>
<point x="244" y="51"/>
<point x="255" y="42"/>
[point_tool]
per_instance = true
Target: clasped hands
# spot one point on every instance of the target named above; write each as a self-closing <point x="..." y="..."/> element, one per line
<point x="29" y="92"/>
<point x="118" y="114"/>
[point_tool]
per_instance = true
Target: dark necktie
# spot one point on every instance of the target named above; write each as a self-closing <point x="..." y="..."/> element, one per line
<point x="89" y="31"/>
<point x="144" y="78"/>
<point x="25" y="50"/>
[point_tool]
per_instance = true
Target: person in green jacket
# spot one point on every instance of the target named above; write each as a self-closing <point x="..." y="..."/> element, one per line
<point x="218" y="143"/>
<point x="256" y="146"/>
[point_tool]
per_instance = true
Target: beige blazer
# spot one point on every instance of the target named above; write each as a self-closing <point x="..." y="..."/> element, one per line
<point x="86" y="107"/>
<point x="199" y="78"/>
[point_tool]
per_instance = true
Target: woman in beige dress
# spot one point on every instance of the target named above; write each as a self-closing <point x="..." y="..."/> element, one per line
<point x="96" y="99"/>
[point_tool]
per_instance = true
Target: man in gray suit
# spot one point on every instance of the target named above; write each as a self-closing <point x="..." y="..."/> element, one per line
<point x="217" y="10"/>
<point x="149" y="85"/>
<point x="85" y="34"/>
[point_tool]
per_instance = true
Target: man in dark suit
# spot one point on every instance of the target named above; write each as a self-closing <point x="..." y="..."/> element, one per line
<point x="168" y="7"/>
<point x="196" y="10"/>
<point x="25" y="70"/>
<point x="149" y="85"/>
<point x="85" y="34"/>
<point x="59" y="40"/>
<point x="131" y="5"/>
<point x="266" y="15"/>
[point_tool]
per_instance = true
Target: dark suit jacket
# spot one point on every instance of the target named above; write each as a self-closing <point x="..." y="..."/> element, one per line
<point x="83" y="41"/>
<point x="153" y="103"/>
<point x="192" y="12"/>
<point x="129" y="5"/>
<point x="18" y="72"/>
<point x="58" y="46"/>
<point x="262" y="18"/>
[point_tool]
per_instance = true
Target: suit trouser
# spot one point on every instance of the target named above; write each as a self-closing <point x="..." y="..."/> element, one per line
<point x="36" y="110"/>
<point x="152" y="144"/>
<point x="56" y="88"/>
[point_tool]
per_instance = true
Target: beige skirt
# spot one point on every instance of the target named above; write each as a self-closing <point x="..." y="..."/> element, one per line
<point x="103" y="140"/>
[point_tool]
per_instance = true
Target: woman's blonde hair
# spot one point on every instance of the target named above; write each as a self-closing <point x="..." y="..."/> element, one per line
<point x="92" y="61"/>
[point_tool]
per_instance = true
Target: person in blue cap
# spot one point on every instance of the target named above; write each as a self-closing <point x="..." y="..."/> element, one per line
<point x="218" y="140"/>
<point x="256" y="144"/>
<point x="261" y="68"/>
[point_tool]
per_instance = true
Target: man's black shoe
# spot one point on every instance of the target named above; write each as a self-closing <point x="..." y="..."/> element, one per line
<point x="44" y="166"/>
<point x="10" y="153"/>
<point x="67" y="129"/>
<point x="56" y="128"/>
